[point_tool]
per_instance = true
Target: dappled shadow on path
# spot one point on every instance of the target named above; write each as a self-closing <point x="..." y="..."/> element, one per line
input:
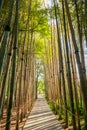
<point x="42" y="118"/>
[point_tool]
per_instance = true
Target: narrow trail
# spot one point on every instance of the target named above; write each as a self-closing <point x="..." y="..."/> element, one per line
<point x="42" y="118"/>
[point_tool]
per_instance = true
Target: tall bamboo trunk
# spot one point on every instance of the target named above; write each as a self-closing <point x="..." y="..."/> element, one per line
<point x="6" y="35"/>
<point x="1" y="4"/>
<point x="80" y="40"/>
<point x="75" y="86"/>
<point x="60" y="60"/>
<point x="19" y="97"/>
<point x="3" y="85"/>
<point x="69" y="72"/>
<point x="80" y="69"/>
<point x="9" y="109"/>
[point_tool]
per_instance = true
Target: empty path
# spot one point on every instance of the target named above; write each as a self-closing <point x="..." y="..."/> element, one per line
<point x="42" y="118"/>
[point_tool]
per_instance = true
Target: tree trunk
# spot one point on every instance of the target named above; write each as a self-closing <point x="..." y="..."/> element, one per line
<point x="80" y="69"/>
<point x="69" y="73"/>
<point x="1" y="4"/>
<point x="9" y="109"/>
<point x="6" y="35"/>
<point x="80" y="40"/>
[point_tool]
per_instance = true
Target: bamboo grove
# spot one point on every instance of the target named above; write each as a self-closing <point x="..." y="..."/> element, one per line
<point x="48" y="38"/>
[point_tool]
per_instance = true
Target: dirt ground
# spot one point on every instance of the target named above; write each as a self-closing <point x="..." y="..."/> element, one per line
<point x="13" y="121"/>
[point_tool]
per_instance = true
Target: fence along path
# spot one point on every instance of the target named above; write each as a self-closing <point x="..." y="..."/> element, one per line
<point x="42" y="118"/>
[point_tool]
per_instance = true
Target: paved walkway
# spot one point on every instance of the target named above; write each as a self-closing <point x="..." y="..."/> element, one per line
<point x="42" y="118"/>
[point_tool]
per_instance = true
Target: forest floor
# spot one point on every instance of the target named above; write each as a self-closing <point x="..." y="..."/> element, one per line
<point x="23" y="123"/>
<point x="13" y="120"/>
<point x="70" y="127"/>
